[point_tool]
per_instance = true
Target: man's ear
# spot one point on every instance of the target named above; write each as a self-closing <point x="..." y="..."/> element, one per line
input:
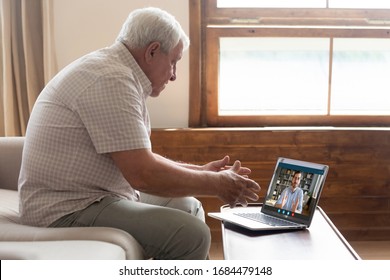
<point x="151" y="51"/>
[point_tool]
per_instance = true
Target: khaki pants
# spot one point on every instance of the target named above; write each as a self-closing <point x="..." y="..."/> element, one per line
<point x="167" y="228"/>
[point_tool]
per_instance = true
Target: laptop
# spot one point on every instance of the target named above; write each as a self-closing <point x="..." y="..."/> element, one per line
<point x="290" y="202"/>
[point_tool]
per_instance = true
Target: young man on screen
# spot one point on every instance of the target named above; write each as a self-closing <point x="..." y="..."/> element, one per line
<point x="292" y="197"/>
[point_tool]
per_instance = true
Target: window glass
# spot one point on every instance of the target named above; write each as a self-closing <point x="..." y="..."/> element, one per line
<point x="273" y="76"/>
<point x="360" y="4"/>
<point x="271" y="4"/>
<point x="360" y="80"/>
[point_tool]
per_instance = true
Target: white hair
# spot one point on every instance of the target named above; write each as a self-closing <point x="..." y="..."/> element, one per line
<point x="147" y="25"/>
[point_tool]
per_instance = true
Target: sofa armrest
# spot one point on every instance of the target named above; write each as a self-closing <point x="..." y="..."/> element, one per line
<point x="11" y="149"/>
<point x="16" y="232"/>
<point x="12" y="230"/>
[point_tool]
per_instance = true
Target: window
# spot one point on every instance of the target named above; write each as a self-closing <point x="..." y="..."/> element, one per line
<point x="323" y="64"/>
<point x="359" y="4"/>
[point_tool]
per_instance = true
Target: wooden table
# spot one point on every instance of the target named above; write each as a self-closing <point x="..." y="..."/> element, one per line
<point x="322" y="241"/>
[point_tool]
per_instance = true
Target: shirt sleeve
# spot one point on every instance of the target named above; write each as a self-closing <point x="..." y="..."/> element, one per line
<point x="283" y="194"/>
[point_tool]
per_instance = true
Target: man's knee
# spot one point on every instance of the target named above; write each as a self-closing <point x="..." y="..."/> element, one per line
<point x="197" y="239"/>
<point x="190" y="205"/>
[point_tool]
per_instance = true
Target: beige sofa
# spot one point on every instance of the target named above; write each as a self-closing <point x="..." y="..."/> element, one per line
<point x="25" y="242"/>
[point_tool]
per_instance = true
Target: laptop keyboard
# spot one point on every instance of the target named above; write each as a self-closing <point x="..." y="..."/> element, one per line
<point x="265" y="219"/>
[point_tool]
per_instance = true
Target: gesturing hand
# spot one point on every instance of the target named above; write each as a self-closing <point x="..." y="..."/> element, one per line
<point x="235" y="187"/>
<point x="222" y="164"/>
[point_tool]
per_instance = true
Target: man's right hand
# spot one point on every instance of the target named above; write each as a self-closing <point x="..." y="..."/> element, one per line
<point x="236" y="189"/>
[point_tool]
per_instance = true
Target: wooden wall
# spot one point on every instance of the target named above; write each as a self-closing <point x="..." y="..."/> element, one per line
<point x="356" y="195"/>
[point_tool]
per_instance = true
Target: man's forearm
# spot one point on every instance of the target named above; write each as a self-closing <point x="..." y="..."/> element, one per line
<point x="182" y="164"/>
<point x="154" y="174"/>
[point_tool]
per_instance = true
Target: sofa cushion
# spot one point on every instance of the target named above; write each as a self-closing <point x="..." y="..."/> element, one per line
<point x="61" y="250"/>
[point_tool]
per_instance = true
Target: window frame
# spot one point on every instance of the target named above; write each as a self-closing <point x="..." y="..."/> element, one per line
<point x="205" y="31"/>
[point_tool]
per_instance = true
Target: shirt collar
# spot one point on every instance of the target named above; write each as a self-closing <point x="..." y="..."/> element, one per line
<point x="129" y="60"/>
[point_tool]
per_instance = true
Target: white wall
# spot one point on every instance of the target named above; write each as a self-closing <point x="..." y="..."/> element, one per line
<point x="82" y="26"/>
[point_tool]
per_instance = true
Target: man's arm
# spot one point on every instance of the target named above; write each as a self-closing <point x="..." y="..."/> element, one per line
<point x="151" y="173"/>
<point x="217" y="165"/>
<point x="282" y="200"/>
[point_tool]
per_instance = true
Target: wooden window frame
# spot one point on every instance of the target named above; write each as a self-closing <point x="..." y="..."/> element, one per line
<point x="205" y="31"/>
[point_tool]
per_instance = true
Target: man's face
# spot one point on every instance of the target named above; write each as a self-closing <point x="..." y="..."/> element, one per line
<point x="296" y="180"/>
<point x="163" y="68"/>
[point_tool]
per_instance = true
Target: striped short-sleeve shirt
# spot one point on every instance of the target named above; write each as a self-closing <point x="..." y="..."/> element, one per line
<point x="94" y="106"/>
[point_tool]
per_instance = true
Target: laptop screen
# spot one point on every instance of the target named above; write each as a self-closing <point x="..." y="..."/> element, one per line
<point x="295" y="189"/>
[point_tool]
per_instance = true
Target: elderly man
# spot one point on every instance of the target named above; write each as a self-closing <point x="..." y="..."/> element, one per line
<point x="88" y="159"/>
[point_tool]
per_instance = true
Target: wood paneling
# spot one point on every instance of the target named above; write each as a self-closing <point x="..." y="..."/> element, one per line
<point x="356" y="195"/>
